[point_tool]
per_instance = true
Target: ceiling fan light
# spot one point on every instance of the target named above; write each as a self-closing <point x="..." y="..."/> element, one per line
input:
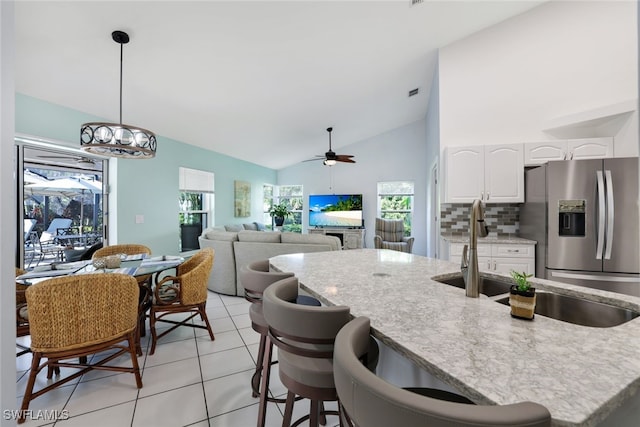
<point x="329" y="162"/>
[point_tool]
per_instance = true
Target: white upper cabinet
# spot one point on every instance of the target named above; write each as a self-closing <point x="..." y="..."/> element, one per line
<point x="464" y="180"/>
<point x="537" y="153"/>
<point x="491" y="173"/>
<point x="590" y="148"/>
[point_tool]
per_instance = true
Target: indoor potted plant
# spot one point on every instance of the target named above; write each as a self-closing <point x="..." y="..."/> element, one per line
<point x="279" y="212"/>
<point x="522" y="296"/>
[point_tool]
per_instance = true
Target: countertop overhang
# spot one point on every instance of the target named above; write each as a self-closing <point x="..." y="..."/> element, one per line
<point x="581" y="374"/>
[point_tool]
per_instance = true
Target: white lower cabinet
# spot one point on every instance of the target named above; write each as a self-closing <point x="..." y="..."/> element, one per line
<point x="499" y="257"/>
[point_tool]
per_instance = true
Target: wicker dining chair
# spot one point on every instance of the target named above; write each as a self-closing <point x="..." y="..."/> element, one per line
<point x="77" y="316"/>
<point x="144" y="282"/>
<point x="184" y="293"/>
<point x="22" y="314"/>
<point x="127" y="249"/>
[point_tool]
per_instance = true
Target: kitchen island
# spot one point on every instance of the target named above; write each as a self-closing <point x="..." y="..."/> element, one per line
<point x="585" y="376"/>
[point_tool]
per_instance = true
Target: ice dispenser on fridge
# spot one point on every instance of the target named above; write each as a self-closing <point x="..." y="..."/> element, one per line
<point x="571" y="215"/>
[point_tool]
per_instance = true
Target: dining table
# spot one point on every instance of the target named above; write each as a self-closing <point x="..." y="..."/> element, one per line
<point x="584" y="376"/>
<point x="145" y="268"/>
<point x="133" y="265"/>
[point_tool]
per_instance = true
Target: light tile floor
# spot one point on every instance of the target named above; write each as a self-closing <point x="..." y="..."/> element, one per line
<point x="189" y="381"/>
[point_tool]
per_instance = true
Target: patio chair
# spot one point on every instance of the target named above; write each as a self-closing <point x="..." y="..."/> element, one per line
<point x="28" y="227"/>
<point x="58" y="223"/>
<point x="37" y="249"/>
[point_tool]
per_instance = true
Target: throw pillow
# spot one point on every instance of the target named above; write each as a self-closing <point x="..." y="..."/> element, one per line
<point x="234" y="227"/>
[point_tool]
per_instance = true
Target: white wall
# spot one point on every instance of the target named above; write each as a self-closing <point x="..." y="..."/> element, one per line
<point x="7" y="212"/>
<point x="433" y="146"/>
<point x="510" y="82"/>
<point x="397" y="155"/>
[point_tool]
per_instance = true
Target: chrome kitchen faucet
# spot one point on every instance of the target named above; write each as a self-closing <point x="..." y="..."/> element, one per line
<point x="469" y="265"/>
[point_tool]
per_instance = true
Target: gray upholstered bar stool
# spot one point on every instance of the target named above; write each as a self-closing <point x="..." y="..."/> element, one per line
<point x="368" y="401"/>
<point x="255" y="278"/>
<point x="304" y="336"/>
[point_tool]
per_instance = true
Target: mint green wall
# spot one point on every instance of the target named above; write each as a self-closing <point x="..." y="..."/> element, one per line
<point x="149" y="187"/>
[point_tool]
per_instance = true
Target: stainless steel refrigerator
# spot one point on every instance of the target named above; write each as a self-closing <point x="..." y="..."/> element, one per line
<point x="584" y="215"/>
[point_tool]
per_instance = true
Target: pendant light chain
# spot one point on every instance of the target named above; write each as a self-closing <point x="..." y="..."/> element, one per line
<point x="121" y="56"/>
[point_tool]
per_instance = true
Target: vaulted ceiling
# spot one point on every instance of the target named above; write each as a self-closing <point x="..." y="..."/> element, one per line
<point x="258" y="81"/>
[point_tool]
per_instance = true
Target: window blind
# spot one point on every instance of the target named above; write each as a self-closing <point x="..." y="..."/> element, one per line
<point x="196" y="181"/>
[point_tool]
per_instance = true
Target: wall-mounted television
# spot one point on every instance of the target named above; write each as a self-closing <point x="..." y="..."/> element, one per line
<point x="335" y="210"/>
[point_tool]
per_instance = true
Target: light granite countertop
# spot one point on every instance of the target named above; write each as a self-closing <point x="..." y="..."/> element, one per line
<point x="581" y="374"/>
<point x="511" y="240"/>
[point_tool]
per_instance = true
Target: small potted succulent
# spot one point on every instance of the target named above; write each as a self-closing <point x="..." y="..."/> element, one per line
<point x="522" y="296"/>
<point x="279" y="212"/>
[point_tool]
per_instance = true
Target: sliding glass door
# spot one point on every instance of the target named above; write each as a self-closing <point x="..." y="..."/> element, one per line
<point x="61" y="205"/>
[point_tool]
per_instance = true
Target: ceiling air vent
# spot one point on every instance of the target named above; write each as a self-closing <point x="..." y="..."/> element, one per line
<point x="413" y="92"/>
<point x="415" y="2"/>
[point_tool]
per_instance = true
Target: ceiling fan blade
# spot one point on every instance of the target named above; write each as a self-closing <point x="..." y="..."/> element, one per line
<point x="313" y="160"/>
<point x="345" y="159"/>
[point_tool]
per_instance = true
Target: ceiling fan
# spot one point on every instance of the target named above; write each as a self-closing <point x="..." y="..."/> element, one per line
<point x="330" y="157"/>
<point x="79" y="160"/>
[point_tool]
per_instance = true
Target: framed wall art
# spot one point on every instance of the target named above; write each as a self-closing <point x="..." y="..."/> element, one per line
<point x="242" y="202"/>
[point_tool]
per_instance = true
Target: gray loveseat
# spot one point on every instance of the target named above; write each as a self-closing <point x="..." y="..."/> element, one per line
<point x="233" y="249"/>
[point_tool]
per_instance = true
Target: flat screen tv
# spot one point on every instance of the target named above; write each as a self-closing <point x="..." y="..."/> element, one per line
<point x="335" y="210"/>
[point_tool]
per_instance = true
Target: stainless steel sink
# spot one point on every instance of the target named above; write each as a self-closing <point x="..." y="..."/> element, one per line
<point x="488" y="287"/>
<point x="578" y="311"/>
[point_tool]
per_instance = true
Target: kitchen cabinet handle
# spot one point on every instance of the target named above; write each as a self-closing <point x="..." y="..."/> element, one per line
<point x="494" y="266"/>
<point x="570" y="155"/>
<point x="488" y="265"/>
<point x="487" y="195"/>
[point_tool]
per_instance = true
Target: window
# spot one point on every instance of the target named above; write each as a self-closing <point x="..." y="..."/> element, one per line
<point x="196" y="202"/>
<point x="292" y="196"/>
<point x="267" y="202"/>
<point x="395" y="201"/>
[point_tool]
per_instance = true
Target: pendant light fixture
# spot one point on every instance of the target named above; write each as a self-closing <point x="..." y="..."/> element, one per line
<point x="117" y="139"/>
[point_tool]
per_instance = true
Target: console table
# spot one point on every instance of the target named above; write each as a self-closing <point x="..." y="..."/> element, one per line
<point x="351" y="238"/>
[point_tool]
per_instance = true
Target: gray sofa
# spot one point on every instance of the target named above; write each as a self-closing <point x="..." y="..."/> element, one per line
<point x="233" y="249"/>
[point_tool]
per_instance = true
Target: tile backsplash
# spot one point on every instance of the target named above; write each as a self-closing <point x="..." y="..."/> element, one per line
<point x="502" y="219"/>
